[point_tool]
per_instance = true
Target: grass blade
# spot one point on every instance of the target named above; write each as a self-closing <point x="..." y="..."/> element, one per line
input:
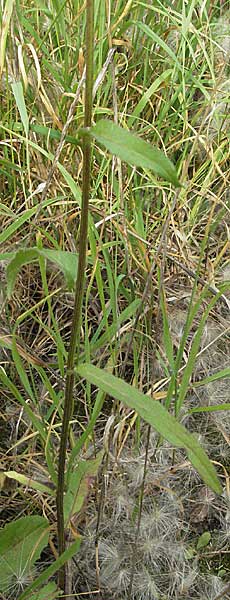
<point x="193" y="353"/>
<point x="147" y="95"/>
<point x="34" y="420"/>
<point x="20" y="101"/>
<point x="219" y="375"/>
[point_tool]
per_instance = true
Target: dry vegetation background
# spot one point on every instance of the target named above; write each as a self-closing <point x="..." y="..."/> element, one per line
<point x="150" y="527"/>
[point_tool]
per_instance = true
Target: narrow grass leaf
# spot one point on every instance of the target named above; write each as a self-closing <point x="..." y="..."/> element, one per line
<point x="50" y="133"/>
<point x="48" y="448"/>
<point x="20" y="101"/>
<point x="147" y="95"/>
<point x="20" y="220"/>
<point x="130" y="148"/>
<point x="111" y="331"/>
<point x="68" y="178"/>
<point x="189" y="367"/>
<point x="37" y="424"/>
<point x="21" y="371"/>
<point x="218" y="375"/>
<point x="74" y="188"/>
<point x="17" y="223"/>
<point x="100" y="398"/>
<point x="213" y="408"/>
<point x="194" y="351"/>
<point x="3" y="208"/>
<point x="167" y="339"/>
<point x="157" y="416"/>
<point x="160" y="42"/>
<point x="27" y="25"/>
<point x="192" y="311"/>
<point x="56" y="336"/>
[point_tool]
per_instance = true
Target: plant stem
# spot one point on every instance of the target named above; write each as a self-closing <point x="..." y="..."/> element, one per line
<point x="135" y="545"/>
<point x="73" y="353"/>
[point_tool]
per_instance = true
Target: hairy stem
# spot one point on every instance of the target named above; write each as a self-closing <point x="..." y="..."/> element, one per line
<point x="73" y="353"/>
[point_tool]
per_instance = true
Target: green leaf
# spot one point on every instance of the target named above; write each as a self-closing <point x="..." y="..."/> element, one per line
<point x="111" y="331"/>
<point x="187" y="373"/>
<point x="212" y="408"/>
<point x="71" y="183"/>
<point x="203" y="540"/>
<point x="20" y="258"/>
<point x="20" y="220"/>
<point x="167" y="339"/>
<point x="49" y="592"/>
<point x="68" y="178"/>
<point x="160" y="42"/>
<point x="133" y="150"/>
<point x="51" y="133"/>
<point x="147" y="95"/>
<point x="21" y="371"/>
<point x="52" y="569"/>
<point x="20" y="101"/>
<point x="99" y="401"/>
<point x="222" y="572"/>
<point x="5" y="209"/>
<point x="156" y="415"/>
<point x="30" y="483"/>
<point x="218" y="375"/>
<point x="13" y="534"/>
<point x="27" y="26"/>
<point x="66" y="261"/>
<point x="37" y="423"/>
<point x="190" y="552"/>
<point x="79" y="486"/>
<point x="21" y="544"/>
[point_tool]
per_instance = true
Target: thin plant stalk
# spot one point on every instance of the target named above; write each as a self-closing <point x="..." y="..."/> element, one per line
<point x="134" y="553"/>
<point x="73" y="353"/>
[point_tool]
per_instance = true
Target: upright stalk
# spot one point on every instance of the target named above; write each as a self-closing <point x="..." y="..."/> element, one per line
<point x="73" y="353"/>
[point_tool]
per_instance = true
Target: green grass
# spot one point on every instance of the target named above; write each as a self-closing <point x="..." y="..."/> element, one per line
<point x="169" y="84"/>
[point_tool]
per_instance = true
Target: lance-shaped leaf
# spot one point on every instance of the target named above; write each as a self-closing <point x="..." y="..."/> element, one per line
<point x="156" y="415"/>
<point x="132" y="149"/>
<point x="80" y="482"/>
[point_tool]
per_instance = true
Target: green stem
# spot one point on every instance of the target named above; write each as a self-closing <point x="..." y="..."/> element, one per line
<point x="73" y="353"/>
